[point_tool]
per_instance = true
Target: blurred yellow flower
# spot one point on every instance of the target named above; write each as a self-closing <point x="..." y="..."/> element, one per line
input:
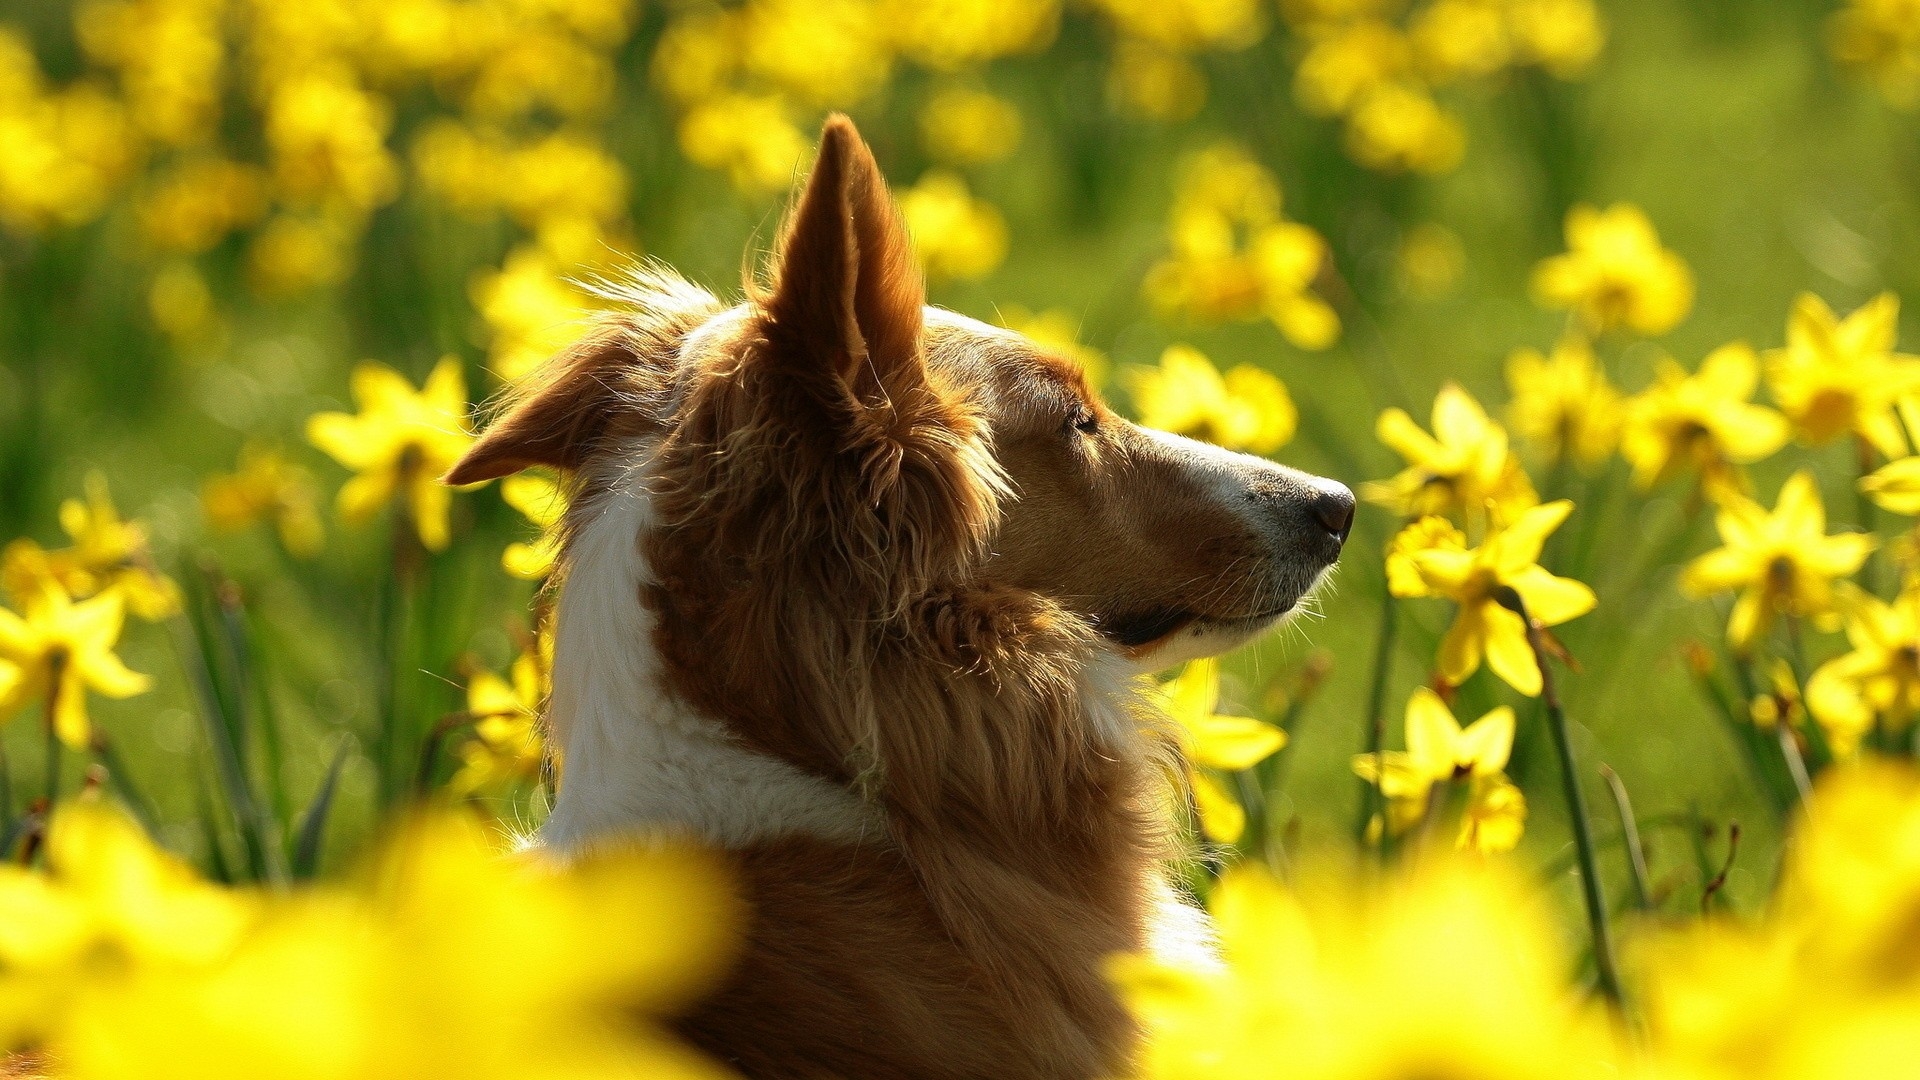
<point x="1398" y="127"/>
<point x="1564" y="403"/>
<point x="1783" y="563"/>
<point x="1155" y="83"/>
<point x="1895" y="486"/>
<point x="956" y="235"/>
<point x="399" y="445"/>
<point x="399" y="975"/>
<point x="182" y="305"/>
<point x="1879" y="680"/>
<point x="1429" y="261"/>
<point x="1837" y="376"/>
<point x="1247" y="409"/>
<point x="1474" y="580"/>
<point x="1346" y="60"/>
<point x="507" y="747"/>
<point x="327" y="137"/>
<point x="1701" y="421"/>
<point x="169" y="57"/>
<point x="1439" y="753"/>
<point x="539" y="500"/>
<point x="697" y="54"/>
<point x="291" y="254"/>
<point x="963" y="126"/>
<point x="1448" y="969"/>
<point x="1563" y="36"/>
<point x="1058" y="332"/>
<point x="1461" y="39"/>
<point x="108" y="555"/>
<point x="827" y="53"/>
<point x="67" y="151"/>
<point x="949" y="35"/>
<point x="199" y="202"/>
<point x="1882" y="39"/>
<point x="1615" y="274"/>
<point x="1212" y="740"/>
<point x="1188" y="25"/>
<point x="748" y="137"/>
<point x="1464" y="465"/>
<point x="1233" y="255"/>
<point x="57" y="652"/>
<point x="530" y="311"/>
<point x="267" y="487"/>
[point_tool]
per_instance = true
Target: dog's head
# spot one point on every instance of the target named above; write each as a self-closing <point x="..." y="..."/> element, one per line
<point x="837" y="437"/>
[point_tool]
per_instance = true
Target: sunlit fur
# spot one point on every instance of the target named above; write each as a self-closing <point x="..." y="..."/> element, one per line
<point x="860" y="591"/>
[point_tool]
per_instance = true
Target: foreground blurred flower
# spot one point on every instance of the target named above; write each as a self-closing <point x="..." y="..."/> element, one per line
<point x="1235" y="257"/>
<point x="1440" y="753"/>
<point x="1783" y="563"/>
<point x="956" y="235"/>
<point x="1879" y="681"/>
<point x="1464" y="465"/>
<point x="539" y="500"/>
<point x="1615" y="274"/>
<point x="109" y="554"/>
<point x="399" y="445"/>
<point x="1836" y="376"/>
<point x="1211" y="740"/>
<point x="58" y="652"/>
<point x="442" y="959"/>
<point x="1564" y="403"/>
<point x="1450" y="970"/>
<point x="1474" y="579"/>
<point x="1247" y="409"/>
<point x="267" y="487"/>
<point x="1703" y="421"/>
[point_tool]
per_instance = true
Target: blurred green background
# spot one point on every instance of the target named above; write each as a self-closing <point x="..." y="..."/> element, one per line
<point x="1765" y="164"/>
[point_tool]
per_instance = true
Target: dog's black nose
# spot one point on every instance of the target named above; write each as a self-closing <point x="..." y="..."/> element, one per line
<point x="1334" y="507"/>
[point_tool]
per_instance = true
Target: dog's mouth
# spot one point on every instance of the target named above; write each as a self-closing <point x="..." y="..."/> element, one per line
<point x="1136" y="631"/>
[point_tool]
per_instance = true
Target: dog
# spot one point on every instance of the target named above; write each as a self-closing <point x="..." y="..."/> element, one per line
<point x="861" y="591"/>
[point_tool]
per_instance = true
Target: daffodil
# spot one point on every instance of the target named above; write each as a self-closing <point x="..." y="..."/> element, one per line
<point x="1614" y="273"/>
<point x="1841" y="375"/>
<point x="1704" y="421"/>
<point x="1879" y="680"/>
<point x="1439" y="752"/>
<point x="956" y="235"/>
<point x="1895" y="486"/>
<point x="1563" y="402"/>
<point x="540" y="500"/>
<point x="1212" y="740"/>
<point x="1475" y="579"/>
<point x="1783" y="563"/>
<point x="507" y="747"/>
<point x="1247" y="409"/>
<point x="108" y="554"/>
<point x="266" y="486"/>
<point x="1460" y="468"/>
<point x="60" y="650"/>
<point x="399" y="445"/>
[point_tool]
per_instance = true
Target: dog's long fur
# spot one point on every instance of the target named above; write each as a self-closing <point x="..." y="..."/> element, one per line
<point x="817" y="611"/>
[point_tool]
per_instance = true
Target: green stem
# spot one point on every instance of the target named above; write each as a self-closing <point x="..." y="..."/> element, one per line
<point x="1630" y="836"/>
<point x="1576" y="802"/>
<point x="1376" y="711"/>
<point x="55" y="747"/>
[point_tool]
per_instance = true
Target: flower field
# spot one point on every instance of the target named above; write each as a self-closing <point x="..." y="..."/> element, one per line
<point x="1594" y="758"/>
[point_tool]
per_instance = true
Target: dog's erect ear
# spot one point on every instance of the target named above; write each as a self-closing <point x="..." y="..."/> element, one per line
<point x="562" y="414"/>
<point x="847" y="293"/>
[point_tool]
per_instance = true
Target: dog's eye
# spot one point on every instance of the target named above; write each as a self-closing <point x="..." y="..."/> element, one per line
<point x="1083" y="420"/>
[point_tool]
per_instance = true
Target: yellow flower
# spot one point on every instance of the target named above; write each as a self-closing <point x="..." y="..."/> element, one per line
<point x="266" y="486"/>
<point x="1429" y="261"/>
<point x="1426" y="534"/>
<point x="1895" y="486"/>
<point x="1563" y="36"/>
<point x="1461" y="39"/>
<point x="1615" y="274"/>
<point x="950" y="35"/>
<point x="828" y="53"/>
<point x="1188" y="25"/>
<point x="1235" y="257"/>
<point x="749" y="137"/>
<point x="108" y="555"/>
<point x="199" y="202"/>
<point x="1783" y="562"/>
<point x="531" y="312"/>
<point x="956" y="235"/>
<point x="58" y="652"/>
<point x="540" y="500"/>
<point x="1440" y="752"/>
<point x="1459" y="469"/>
<point x="1398" y="127"/>
<point x="327" y="138"/>
<point x="1703" y="420"/>
<point x="507" y="748"/>
<point x="1153" y="83"/>
<point x="1057" y="331"/>
<point x="1347" y="60"/>
<point x="1564" y="402"/>
<point x="1837" y="376"/>
<point x="1879" y="679"/>
<point x="399" y="444"/>
<point x="291" y="254"/>
<point x="1248" y="409"/>
<point x="1880" y="38"/>
<point x="1211" y="740"/>
<point x="1473" y="579"/>
<point x="963" y="126"/>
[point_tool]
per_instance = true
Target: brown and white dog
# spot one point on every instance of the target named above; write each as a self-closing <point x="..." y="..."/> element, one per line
<point x="859" y="591"/>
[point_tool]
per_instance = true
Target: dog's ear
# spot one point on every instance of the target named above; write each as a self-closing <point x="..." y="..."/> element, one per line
<point x="846" y="295"/>
<point x="562" y="410"/>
